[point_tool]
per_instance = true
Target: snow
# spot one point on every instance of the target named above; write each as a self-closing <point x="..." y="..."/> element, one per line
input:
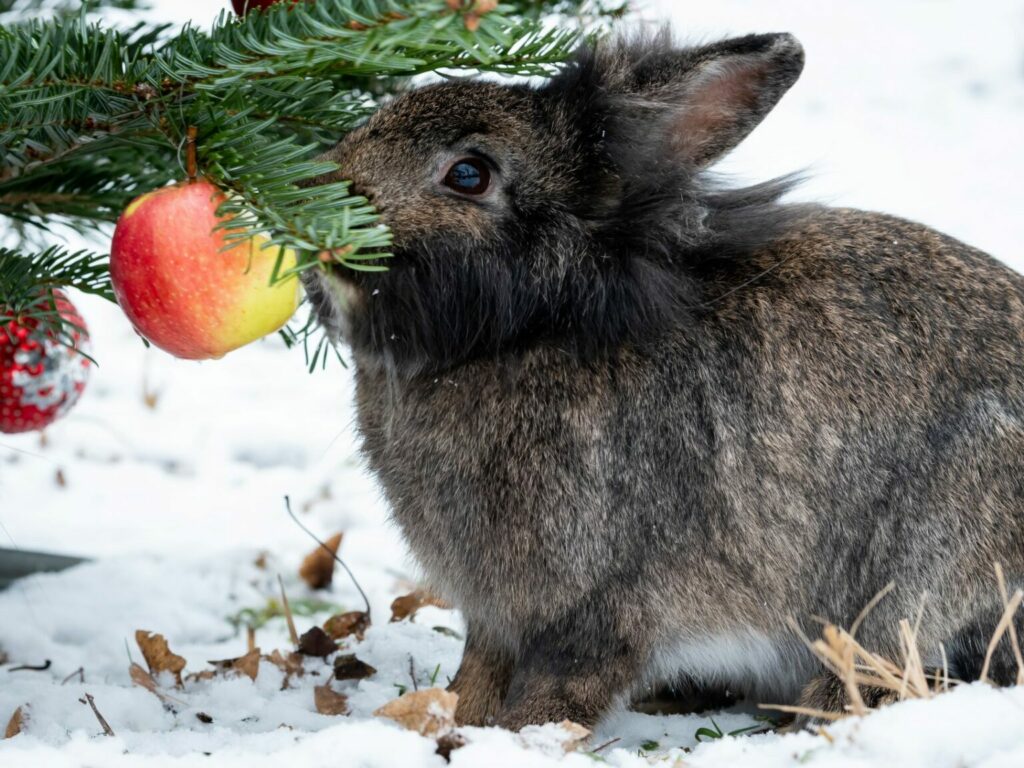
<point x="914" y="107"/>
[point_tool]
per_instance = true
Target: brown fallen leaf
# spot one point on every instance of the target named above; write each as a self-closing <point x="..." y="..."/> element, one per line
<point x="348" y="667"/>
<point x="14" y="725"/>
<point x="145" y="680"/>
<point x="291" y="665"/>
<point x="196" y="677"/>
<point x="158" y="656"/>
<point x="316" y="642"/>
<point x="577" y="734"/>
<point x="330" y="702"/>
<point x="353" y="623"/>
<point x="407" y="605"/>
<point x="317" y="568"/>
<point x="430" y="712"/>
<point x="248" y="665"/>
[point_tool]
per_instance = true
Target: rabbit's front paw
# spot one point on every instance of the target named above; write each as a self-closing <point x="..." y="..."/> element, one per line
<point x="481" y="683"/>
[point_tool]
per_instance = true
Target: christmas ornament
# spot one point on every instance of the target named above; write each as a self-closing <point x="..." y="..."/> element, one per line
<point x="41" y="376"/>
<point x="182" y="289"/>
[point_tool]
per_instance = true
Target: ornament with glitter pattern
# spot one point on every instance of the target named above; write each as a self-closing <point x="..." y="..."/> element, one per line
<point x="41" y="378"/>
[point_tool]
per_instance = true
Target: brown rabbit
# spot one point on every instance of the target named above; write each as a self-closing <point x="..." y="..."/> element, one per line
<point x="630" y="420"/>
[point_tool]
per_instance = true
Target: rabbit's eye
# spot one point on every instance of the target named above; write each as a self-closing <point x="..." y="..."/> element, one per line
<point x="469" y="175"/>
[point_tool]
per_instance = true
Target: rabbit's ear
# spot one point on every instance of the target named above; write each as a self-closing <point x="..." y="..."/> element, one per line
<point x="707" y="99"/>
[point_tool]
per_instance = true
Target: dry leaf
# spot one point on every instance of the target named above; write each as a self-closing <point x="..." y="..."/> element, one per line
<point x="317" y="568"/>
<point x="345" y="624"/>
<point x="553" y="739"/>
<point x="287" y="666"/>
<point x="407" y="605"/>
<point x="158" y="656"/>
<point x="290" y="664"/>
<point x="430" y="712"/>
<point x="577" y="734"/>
<point x="196" y="677"/>
<point x="145" y="680"/>
<point x="248" y="665"/>
<point x="348" y="667"/>
<point x="329" y="701"/>
<point x="316" y="642"/>
<point x="14" y="724"/>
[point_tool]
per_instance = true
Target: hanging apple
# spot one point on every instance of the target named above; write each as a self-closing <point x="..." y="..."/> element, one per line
<point x="182" y="289"/>
<point x="41" y="375"/>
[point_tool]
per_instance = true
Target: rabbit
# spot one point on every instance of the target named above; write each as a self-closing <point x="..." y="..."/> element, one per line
<point x="631" y="419"/>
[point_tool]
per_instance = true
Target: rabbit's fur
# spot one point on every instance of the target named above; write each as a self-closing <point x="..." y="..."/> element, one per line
<point x="630" y="420"/>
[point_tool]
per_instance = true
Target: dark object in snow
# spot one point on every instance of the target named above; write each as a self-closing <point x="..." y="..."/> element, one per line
<point x="630" y="419"/>
<point x="16" y="563"/>
<point x="449" y="743"/>
<point x="348" y="667"/>
<point x="316" y="642"/>
<point x="202" y="717"/>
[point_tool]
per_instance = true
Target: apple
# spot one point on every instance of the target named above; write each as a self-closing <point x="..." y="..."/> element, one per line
<point x="178" y="285"/>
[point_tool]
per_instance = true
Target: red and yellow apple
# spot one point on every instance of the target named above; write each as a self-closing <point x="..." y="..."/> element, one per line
<point x="180" y="287"/>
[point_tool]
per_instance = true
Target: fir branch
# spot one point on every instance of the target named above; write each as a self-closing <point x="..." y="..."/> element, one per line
<point x="91" y="116"/>
<point x="290" y="65"/>
<point x="23" y="274"/>
<point x="28" y="283"/>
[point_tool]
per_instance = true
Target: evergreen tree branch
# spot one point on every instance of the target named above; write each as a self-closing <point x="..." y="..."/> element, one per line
<point x="92" y="116"/>
<point x="28" y="282"/>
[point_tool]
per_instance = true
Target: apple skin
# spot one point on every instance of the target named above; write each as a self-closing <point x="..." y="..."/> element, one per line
<point x="180" y="290"/>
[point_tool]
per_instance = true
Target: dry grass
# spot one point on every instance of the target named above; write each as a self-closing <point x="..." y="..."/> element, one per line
<point x="858" y="668"/>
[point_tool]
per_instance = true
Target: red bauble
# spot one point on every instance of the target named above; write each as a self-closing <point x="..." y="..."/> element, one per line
<point x="40" y="377"/>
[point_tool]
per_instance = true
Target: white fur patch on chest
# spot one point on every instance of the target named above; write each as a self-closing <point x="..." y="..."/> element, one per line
<point x="745" y="662"/>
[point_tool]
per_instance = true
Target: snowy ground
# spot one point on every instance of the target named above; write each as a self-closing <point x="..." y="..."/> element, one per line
<point x="911" y="107"/>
